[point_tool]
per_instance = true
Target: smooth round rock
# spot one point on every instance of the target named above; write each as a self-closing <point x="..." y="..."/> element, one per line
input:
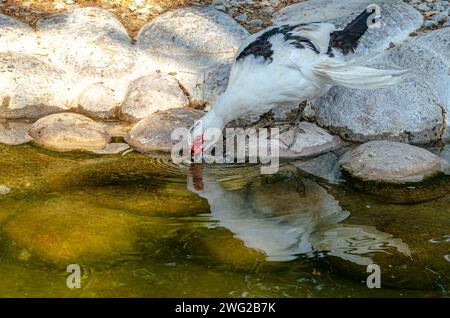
<point x="89" y="41"/>
<point x="32" y="88"/>
<point x="113" y="148"/>
<point x="69" y="132"/>
<point x="154" y="132"/>
<point x="14" y="133"/>
<point x="151" y="93"/>
<point x="391" y="162"/>
<point x="98" y="101"/>
<point x="191" y="43"/>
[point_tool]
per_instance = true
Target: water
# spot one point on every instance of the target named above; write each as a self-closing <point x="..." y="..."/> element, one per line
<point x="140" y="226"/>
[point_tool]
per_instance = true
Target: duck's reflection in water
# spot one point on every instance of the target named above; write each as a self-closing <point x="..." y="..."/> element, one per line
<point x="289" y="218"/>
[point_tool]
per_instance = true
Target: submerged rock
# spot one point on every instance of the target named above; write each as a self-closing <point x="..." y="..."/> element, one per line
<point x="325" y="167"/>
<point x="31" y="88"/>
<point x="282" y="219"/>
<point x="103" y="47"/>
<point x="191" y="43"/>
<point x="61" y="232"/>
<point x="14" y="133"/>
<point x="399" y="19"/>
<point x="152" y="93"/>
<point x="98" y="101"/>
<point x="69" y="132"/>
<point x="154" y="132"/>
<point x="391" y="162"/>
<point x="421" y="226"/>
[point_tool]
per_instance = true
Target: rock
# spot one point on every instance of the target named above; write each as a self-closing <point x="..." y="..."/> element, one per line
<point x="391" y="162"/>
<point x="435" y="68"/>
<point x="14" y="133"/>
<point x="98" y="101"/>
<point x="61" y="232"/>
<point x="113" y="148"/>
<point x="103" y="47"/>
<point x="69" y="132"/>
<point x="117" y="129"/>
<point x="16" y="36"/>
<point x="190" y="43"/>
<point x="325" y="167"/>
<point x="307" y="140"/>
<point x="412" y="111"/>
<point x="154" y="132"/>
<point x="31" y="88"/>
<point x="4" y="189"/>
<point x="152" y="93"/>
<point x="399" y="19"/>
<point x="301" y="141"/>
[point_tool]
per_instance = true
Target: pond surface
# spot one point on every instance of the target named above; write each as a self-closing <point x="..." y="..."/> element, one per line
<point x="139" y="226"/>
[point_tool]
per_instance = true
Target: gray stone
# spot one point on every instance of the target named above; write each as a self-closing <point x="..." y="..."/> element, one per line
<point x="399" y="19"/>
<point x="189" y="43"/>
<point x="14" y="133"/>
<point x="154" y="132"/>
<point x="69" y="132"/>
<point x="412" y="111"/>
<point x="303" y="140"/>
<point x="391" y="162"/>
<point x="307" y="140"/>
<point x="89" y="41"/>
<point x="151" y="93"/>
<point x="16" y="36"/>
<point x="32" y="88"/>
<point x="98" y="101"/>
<point x="325" y="167"/>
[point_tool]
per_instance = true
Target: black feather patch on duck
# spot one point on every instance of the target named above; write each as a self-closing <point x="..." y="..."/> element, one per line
<point x="347" y="40"/>
<point x="262" y="47"/>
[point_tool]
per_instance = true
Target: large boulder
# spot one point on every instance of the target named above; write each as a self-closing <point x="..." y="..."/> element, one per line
<point x="32" y="88"/>
<point x="69" y="132"/>
<point x="16" y="36"/>
<point x="151" y="93"/>
<point x="412" y="111"/>
<point x="192" y="43"/>
<point x="399" y="19"/>
<point x="89" y="41"/>
<point x="154" y="132"/>
<point x="391" y="162"/>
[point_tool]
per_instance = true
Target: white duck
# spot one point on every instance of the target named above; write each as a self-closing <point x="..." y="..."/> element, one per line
<point x="292" y="63"/>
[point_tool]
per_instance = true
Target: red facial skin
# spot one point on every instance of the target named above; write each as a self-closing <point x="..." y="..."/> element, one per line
<point x="197" y="147"/>
<point x="197" y="169"/>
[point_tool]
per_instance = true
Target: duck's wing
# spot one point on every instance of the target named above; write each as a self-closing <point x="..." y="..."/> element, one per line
<point x="265" y="45"/>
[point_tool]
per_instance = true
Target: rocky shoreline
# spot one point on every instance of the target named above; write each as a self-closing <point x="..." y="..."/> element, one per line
<point x="77" y="81"/>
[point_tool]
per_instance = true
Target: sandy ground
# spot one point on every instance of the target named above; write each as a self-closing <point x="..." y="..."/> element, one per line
<point x="135" y="13"/>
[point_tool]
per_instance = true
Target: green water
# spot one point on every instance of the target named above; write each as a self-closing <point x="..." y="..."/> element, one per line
<point x="139" y="226"/>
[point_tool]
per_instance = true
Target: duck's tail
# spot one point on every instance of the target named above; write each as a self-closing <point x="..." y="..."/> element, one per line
<point x="353" y="75"/>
